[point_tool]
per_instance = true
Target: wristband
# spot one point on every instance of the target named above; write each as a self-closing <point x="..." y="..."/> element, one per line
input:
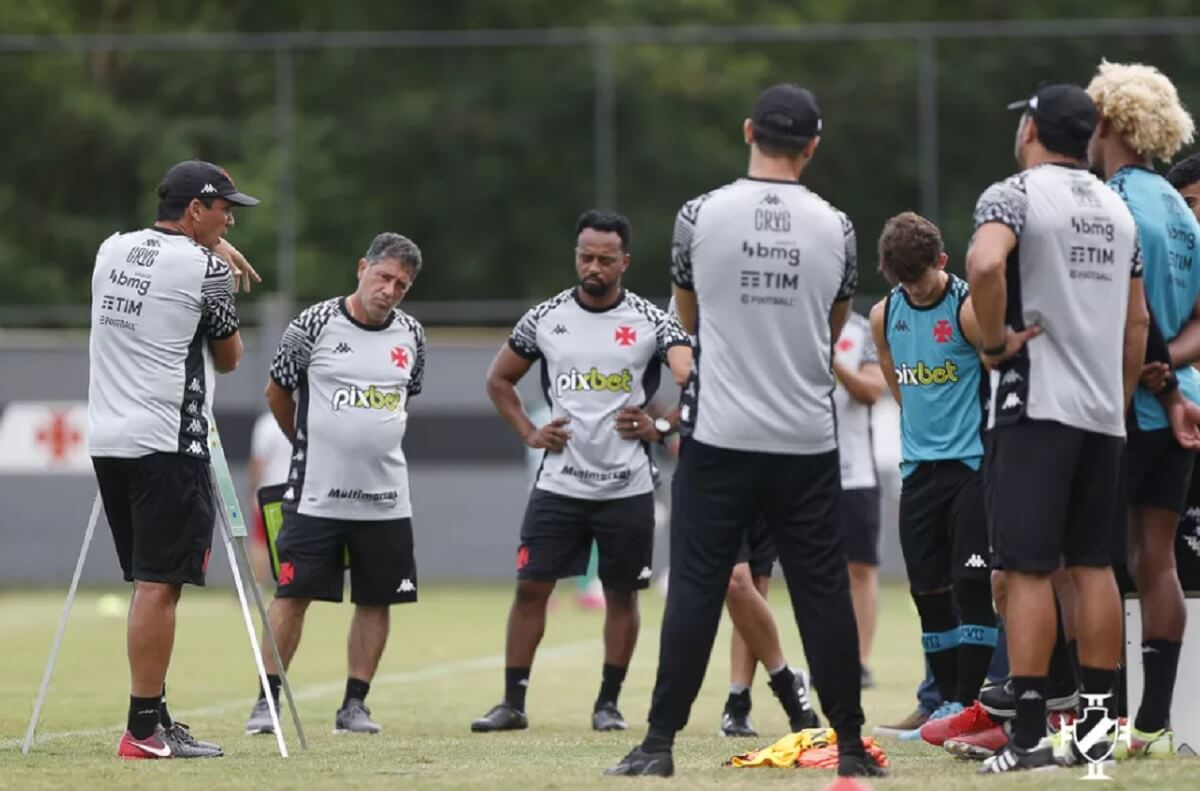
<point x="996" y="351"/>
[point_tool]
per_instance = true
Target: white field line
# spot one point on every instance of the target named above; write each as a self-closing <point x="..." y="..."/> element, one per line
<point x="315" y="691"/>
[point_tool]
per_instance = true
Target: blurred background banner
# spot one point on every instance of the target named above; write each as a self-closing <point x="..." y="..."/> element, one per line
<point x="482" y="134"/>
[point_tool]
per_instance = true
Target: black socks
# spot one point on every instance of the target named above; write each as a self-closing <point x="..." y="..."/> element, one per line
<point x="516" y="682"/>
<point x="611" y="678"/>
<point x="1030" y="724"/>
<point x="1160" y="659"/>
<point x="356" y="689"/>
<point x="275" y="684"/>
<point x="163" y="716"/>
<point x="143" y="716"/>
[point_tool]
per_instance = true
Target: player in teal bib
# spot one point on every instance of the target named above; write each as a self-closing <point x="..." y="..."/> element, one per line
<point x="927" y="339"/>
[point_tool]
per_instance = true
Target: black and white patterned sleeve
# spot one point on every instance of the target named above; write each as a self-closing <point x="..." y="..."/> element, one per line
<point x="295" y="348"/>
<point x="1004" y="202"/>
<point x="523" y="339"/>
<point x="417" y="379"/>
<point x="218" y="313"/>
<point x="681" y="244"/>
<point x="1136" y="264"/>
<point x="668" y="332"/>
<point x="849" y="283"/>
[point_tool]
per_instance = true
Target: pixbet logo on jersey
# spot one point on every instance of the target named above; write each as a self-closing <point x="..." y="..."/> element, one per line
<point x="373" y="397"/>
<point x="922" y="374"/>
<point x="593" y="381"/>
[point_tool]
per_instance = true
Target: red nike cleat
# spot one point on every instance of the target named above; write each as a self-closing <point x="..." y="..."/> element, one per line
<point x="977" y="746"/>
<point x="969" y="720"/>
<point x="150" y="747"/>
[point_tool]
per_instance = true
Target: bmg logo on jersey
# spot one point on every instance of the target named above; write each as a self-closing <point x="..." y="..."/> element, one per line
<point x="373" y="397"/>
<point x="773" y="252"/>
<point x="921" y="374"/>
<point x="593" y="381"/>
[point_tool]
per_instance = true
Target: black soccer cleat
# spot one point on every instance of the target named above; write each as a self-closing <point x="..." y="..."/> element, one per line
<point x="1016" y="759"/>
<point x="639" y="763"/>
<point x="1000" y="700"/>
<point x="808" y="716"/>
<point x="502" y="717"/>
<point x="859" y="765"/>
<point x="736" y="724"/>
<point x="183" y="745"/>
<point x="607" y="717"/>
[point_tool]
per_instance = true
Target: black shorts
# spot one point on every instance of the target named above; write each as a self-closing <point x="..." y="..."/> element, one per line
<point x="557" y="535"/>
<point x="1158" y="470"/>
<point x="1053" y="494"/>
<point x="860" y="525"/>
<point x="161" y="512"/>
<point x="943" y="525"/>
<point x="312" y="559"/>
<point x="758" y="550"/>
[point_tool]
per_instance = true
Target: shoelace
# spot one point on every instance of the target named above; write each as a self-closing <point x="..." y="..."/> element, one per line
<point x="180" y="731"/>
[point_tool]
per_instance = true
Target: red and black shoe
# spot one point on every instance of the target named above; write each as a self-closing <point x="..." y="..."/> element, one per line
<point x="151" y="747"/>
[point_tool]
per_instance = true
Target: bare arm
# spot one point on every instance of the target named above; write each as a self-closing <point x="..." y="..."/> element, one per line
<point x="837" y="317"/>
<point x="879" y="334"/>
<point x="686" y="308"/>
<point x="226" y="352"/>
<point x="283" y="409"/>
<point x="1185" y="347"/>
<point x="1137" y="326"/>
<point x="865" y="385"/>
<point x="986" y="259"/>
<point x="679" y="359"/>
<point x="506" y="370"/>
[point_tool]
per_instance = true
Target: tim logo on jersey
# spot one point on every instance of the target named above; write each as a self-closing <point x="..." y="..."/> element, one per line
<point x="373" y="397"/>
<point x="594" y="380"/>
<point x="921" y="375"/>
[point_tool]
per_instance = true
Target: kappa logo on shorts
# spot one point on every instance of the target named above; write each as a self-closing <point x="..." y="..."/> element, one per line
<point x="645" y="573"/>
<point x="406" y="586"/>
<point x="287" y="573"/>
<point x="195" y="448"/>
<point x="975" y="562"/>
<point x="1012" y="402"/>
<point x="1011" y="378"/>
<point x="290" y="494"/>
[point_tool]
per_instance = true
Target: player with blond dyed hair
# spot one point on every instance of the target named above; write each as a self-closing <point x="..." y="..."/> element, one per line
<point x="1142" y="120"/>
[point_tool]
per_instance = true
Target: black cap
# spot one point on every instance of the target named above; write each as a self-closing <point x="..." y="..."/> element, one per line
<point x="787" y="110"/>
<point x="1063" y="106"/>
<point x="197" y="179"/>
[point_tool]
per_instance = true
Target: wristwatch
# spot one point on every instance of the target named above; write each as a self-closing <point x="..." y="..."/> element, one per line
<point x="663" y="427"/>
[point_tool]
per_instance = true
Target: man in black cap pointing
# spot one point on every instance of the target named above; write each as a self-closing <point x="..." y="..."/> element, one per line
<point x="163" y="325"/>
<point x="763" y="272"/>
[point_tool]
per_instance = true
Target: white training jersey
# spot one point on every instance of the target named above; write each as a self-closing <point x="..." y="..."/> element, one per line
<point x="856" y="446"/>
<point x="1077" y="248"/>
<point x="351" y="382"/>
<point x="595" y="362"/>
<point x="767" y="260"/>
<point x="158" y="298"/>
<point x="271" y="447"/>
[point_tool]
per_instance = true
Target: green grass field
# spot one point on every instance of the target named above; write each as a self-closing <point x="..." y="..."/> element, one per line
<point x="441" y="670"/>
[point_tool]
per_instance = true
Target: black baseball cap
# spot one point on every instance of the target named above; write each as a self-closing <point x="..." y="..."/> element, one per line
<point x="787" y="110"/>
<point x="195" y="178"/>
<point x="1065" y="107"/>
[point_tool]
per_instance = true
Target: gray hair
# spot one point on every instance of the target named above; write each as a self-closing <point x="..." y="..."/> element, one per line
<point x="396" y="247"/>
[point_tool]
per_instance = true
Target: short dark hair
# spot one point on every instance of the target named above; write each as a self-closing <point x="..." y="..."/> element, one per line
<point x="607" y="221"/>
<point x="1058" y="141"/>
<point x="1184" y="172"/>
<point x="172" y="208"/>
<point x="396" y="247"/>
<point x="908" y="246"/>
<point x="773" y="144"/>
